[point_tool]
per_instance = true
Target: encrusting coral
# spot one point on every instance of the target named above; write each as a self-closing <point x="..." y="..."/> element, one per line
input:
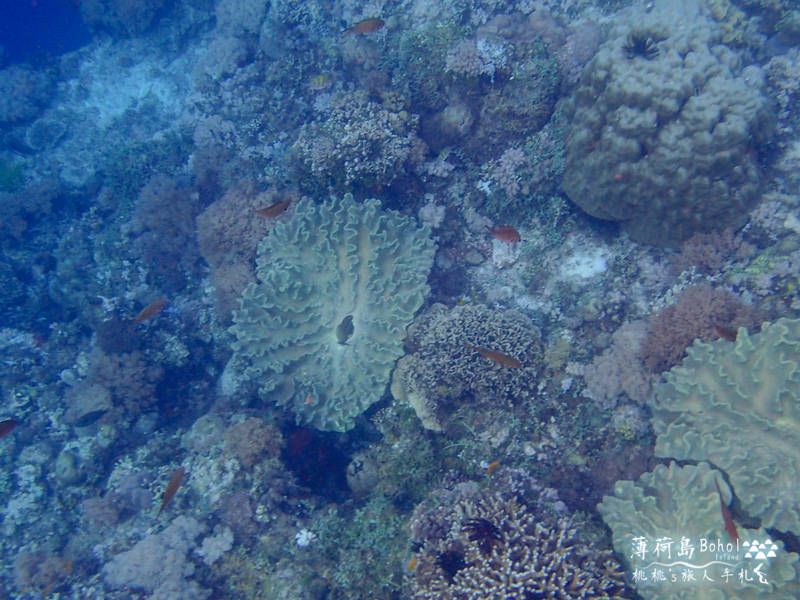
<point x="338" y="284"/>
<point x="495" y="549"/>
<point x="737" y="405"/>
<point x="666" y="129"/>
<point x="673" y="503"/>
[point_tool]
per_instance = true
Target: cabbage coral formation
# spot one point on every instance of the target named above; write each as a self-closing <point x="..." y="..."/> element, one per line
<point x="322" y="328"/>
<point x="737" y="405"/>
<point x="664" y="127"/>
<point x="443" y="367"/>
<point x="676" y="502"/>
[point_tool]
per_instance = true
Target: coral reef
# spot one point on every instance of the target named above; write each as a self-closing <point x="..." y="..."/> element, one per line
<point x="495" y="548"/>
<point x="39" y="571"/>
<point x="128" y="376"/>
<point x="672" y="504"/>
<point x="164" y="226"/>
<point x="252" y="440"/>
<point x="619" y="369"/>
<point x="360" y="548"/>
<point x="441" y="367"/>
<point x="122" y="16"/>
<point x="664" y="135"/>
<point x="228" y="232"/>
<point x="159" y="564"/>
<point x="735" y="405"/>
<point x="359" y="141"/>
<point x="338" y="284"/>
<point x="25" y="93"/>
<point x="708" y="253"/>
<point x="699" y="311"/>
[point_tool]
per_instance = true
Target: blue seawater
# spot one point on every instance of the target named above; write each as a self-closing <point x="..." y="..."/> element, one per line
<point x="31" y="29"/>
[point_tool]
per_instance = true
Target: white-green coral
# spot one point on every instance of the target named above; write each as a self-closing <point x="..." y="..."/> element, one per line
<point x="672" y="503"/>
<point x="338" y="284"/>
<point x="737" y="405"/>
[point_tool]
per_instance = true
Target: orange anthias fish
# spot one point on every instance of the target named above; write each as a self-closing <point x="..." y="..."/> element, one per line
<point x="505" y="233"/>
<point x="273" y="210"/>
<point x="730" y="526"/>
<point x="725" y="333"/>
<point x="150" y="311"/>
<point x="174" y="483"/>
<point x="366" y="26"/>
<point x="498" y="357"/>
<point x="412" y="564"/>
<point x="7" y="427"/>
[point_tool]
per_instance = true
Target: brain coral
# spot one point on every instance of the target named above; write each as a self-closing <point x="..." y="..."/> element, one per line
<point x="665" y="124"/>
<point x="676" y="502"/>
<point x="737" y="405"/>
<point x="337" y="286"/>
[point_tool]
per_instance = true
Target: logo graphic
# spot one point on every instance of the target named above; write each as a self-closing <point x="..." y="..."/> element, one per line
<point x="760" y="551"/>
<point x="663" y="560"/>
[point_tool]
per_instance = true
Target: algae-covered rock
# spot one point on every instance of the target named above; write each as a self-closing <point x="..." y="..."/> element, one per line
<point x="338" y="284"/>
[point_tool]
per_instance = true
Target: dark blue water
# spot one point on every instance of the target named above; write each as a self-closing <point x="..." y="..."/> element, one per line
<point x="35" y="29"/>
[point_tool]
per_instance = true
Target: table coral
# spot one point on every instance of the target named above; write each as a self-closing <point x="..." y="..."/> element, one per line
<point x="337" y="286"/>
<point x="671" y="503"/>
<point x="737" y="405"/>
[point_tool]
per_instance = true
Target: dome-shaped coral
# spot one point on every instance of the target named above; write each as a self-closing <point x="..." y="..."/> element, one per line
<point x="337" y="286"/>
<point x="665" y="130"/>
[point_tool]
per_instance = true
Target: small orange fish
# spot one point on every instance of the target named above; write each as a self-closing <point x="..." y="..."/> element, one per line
<point x="505" y="233"/>
<point x="309" y="400"/>
<point x="7" y="427"/>
<point x="273" y="210"/>
<point x="174" y="483"/>
<point x="412" y="564"/>
<point x="726" y="333"/>
<point x="730" y="526"/>
<point x="498" y="357"/>
<point x="150" y="311"/>
<point x="366" y="26"/>
<point x="492" y="466"/>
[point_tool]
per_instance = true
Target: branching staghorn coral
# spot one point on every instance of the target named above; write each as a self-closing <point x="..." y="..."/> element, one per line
<point x="338" y="284"/>
<point x="495" y="549"/>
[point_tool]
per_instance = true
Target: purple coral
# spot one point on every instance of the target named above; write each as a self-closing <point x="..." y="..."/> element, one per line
<point x="164" y="228"/>
<point x="700" y="311"/>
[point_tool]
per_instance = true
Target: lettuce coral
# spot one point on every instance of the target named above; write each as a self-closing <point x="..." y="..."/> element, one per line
<point x="337" y="286"/>
<point x="737" y="405"/>
<point x="674" y="502"/>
